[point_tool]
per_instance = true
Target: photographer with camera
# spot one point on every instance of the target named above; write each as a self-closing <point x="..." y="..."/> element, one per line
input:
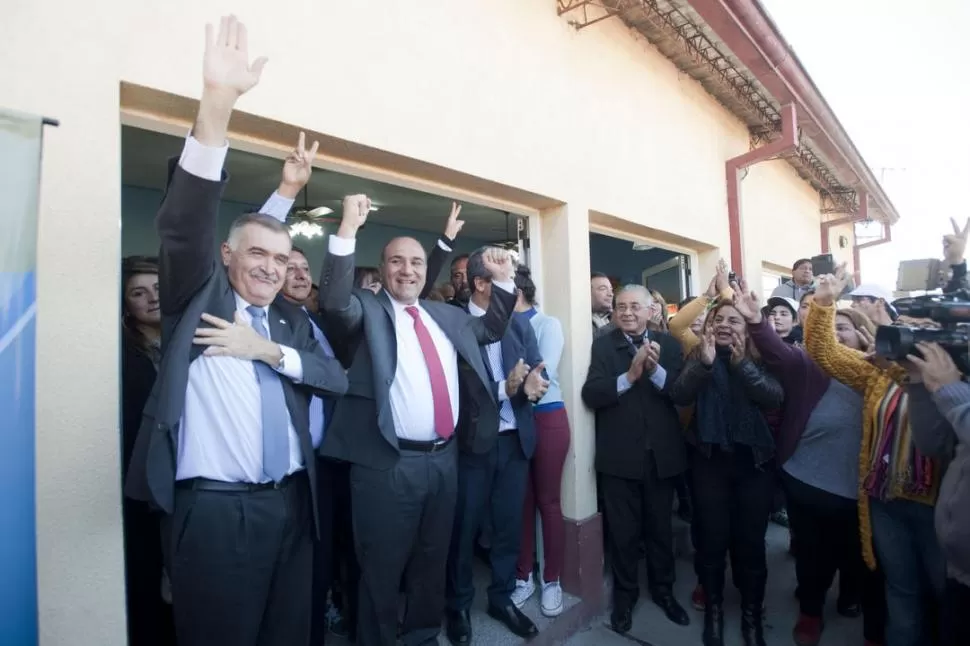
<point x="948" y="392"/>
<point x="899" y="483"/>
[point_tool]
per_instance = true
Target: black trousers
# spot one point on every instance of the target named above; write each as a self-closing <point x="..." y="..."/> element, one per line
<point x="732" y="501"/>
<point x="956" y="614"/>
<point x="640" y="511"/>
<point x="490" y="485"/>
<point x="335" y="569"/>
<point x="150" y="621"/>
<point x="402" y="527"/>
<point x="828" y="541"/>
<point x="242" y="565"/>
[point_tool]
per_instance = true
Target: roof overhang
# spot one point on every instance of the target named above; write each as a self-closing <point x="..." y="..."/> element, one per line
<point x="736" y="52"/>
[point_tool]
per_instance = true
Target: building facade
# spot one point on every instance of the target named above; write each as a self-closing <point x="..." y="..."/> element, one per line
<point x="532" y="107"/>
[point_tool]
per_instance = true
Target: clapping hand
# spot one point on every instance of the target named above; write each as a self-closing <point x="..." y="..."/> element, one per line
<point x="738" y="345"/>
<point x="708" y="348"/>
<point x="297" y="168"/>
<point x="955" y="244"/>
<point x="498" y="262"/>
<point x="746" y="303"/>
<point x="535" y="384"/>
<point x="935" y="366"/>
<point x="355" y="211"/>
<point x="454" y="225"/>
<point x="515" y="378"/>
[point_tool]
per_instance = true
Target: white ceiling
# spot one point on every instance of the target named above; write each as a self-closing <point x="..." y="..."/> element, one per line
<point x="252" y="178"/>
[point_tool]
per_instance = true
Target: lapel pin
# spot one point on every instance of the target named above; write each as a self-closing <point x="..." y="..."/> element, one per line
<point x="282" y="322"/>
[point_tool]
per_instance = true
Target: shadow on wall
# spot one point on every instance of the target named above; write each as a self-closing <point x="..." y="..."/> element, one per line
<point x="138" y="207"/>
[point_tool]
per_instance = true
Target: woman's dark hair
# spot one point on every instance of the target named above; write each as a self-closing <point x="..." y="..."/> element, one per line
<point x="524" y="282"/>
<point x="368" y="273"/>
<point x="133" y="266"/>
<point x="810" y="292"/>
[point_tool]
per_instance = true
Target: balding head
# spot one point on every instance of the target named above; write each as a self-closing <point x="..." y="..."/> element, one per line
<point x="403" y="269"/>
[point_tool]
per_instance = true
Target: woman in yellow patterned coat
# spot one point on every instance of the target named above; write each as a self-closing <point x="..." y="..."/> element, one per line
<point x="898" y="485"/>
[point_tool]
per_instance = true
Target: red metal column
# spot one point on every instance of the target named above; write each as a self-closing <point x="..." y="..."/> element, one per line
<point x="786" y="144"/>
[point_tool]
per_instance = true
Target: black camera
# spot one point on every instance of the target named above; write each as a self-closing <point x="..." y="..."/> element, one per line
<point x="951" y="311"/>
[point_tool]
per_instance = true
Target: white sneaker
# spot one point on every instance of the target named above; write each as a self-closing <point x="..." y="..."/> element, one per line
<point x="523" y="590"/>
<point x="551" y="599"/>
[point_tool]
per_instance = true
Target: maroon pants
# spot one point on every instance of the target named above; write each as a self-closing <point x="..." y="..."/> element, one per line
<point x="542" y="491"/>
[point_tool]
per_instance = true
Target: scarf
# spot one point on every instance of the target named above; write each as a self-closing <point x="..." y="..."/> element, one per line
<point x="895" y="466"/>
<point x="726" y="416"/>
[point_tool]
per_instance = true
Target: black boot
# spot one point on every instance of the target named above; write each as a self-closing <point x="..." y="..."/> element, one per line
<point x="752" y="625"/>
<point x="713" y="623"/>
<point x="713" y="581"/>
<point x="752" y="606"/>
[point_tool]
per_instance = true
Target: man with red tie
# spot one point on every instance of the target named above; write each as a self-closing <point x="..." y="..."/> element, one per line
<point x="417" y="373"/>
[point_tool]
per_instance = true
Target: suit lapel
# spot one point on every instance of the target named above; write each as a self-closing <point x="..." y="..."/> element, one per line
<point x="453" y="332"/>
<point x="279" y="327"/>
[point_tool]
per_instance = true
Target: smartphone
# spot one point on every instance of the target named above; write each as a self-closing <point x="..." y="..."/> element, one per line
<point x="732" y="278"/>
<point x="823" y="264"/>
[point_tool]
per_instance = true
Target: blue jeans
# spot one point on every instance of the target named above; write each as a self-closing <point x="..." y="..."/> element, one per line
<point x="913" y="564"/>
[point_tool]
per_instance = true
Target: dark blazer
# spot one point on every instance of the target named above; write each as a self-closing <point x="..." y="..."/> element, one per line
<point x="192" y="282"/>
<point x="362" y="430"/>
<point x="519" y="342"/>
<point x="642" y="418"/>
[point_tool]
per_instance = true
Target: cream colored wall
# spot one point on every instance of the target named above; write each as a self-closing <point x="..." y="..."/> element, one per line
<point x="780" y="217"/>
<point x="500" y="89"/>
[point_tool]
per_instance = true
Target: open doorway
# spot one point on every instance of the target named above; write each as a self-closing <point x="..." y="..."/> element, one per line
<point x="253" y="178"/>
<point x="658" y="268"/>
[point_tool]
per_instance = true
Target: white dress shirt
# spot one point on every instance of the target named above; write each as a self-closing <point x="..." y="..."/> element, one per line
<point x="412" y="406"/>
<point x="220" y="434"/>
<point x="503" y="424"/>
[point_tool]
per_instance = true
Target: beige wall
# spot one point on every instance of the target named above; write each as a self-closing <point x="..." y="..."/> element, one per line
<point x="499" y="89"/>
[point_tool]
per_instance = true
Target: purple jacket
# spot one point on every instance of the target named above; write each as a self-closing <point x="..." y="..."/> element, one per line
<point x="803" y="380"/>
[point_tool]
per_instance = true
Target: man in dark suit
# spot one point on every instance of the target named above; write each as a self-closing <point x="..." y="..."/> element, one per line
<point x="225" y="446"/>
<point x="491" y="479"/>
<point x="416" y="372"/>
<point x="639" y="451"/>
<point x="334" y="561"/>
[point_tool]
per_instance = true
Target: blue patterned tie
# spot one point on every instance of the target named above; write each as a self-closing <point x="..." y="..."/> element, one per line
<point x="494" y="351"/>
<point x="318" y="419"/>
<point x="275" y="416"/>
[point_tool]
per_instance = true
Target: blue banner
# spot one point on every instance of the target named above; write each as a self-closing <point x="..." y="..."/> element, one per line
<point x="20" y="152"/>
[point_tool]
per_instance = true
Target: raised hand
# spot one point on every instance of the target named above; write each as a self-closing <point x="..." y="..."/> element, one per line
<point x="738" y="345"/>
<point x="355" y="211"/>
<point x="227" y="74"/>
<point x="454" y="225"/>
<point x="829" y="287"/>
<point x="515" y="378"/>
<point x="708" y="348"/>
<point x="226" y="67"/>
<point x="746" y="303"/>
<point x="535" y="384"/>
<point x="498" y="262"/>
<point x="866" y="340"/>
<point x="297" y="168"/>
<point x="955" y="244"/>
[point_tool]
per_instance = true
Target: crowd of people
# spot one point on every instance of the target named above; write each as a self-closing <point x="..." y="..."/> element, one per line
<point x="306" y="458"/>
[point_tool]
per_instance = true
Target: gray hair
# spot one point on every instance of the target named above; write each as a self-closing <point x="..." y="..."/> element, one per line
<point x="259" y="219"/>
<point x="640" y="289"/>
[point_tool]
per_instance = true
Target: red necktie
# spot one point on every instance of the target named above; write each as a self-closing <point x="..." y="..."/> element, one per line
<point x="444" y="421"/>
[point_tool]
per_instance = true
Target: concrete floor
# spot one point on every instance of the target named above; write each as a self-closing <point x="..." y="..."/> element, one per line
<point x="652" y="628"/>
